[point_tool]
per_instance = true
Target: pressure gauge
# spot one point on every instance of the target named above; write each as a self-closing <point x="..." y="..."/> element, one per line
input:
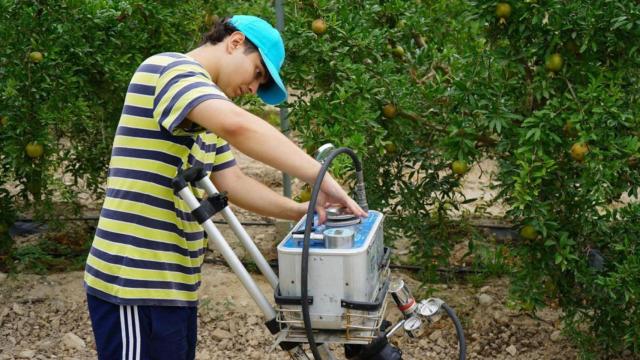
<point x="412" y="326"/>
<point x="429" y="307"/>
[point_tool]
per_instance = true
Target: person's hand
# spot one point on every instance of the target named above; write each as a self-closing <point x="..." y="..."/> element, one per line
<point x="332" y="193"/>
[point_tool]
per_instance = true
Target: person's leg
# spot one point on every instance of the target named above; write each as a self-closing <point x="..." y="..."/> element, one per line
<point x="167" y="332"/>
<point x="111" y="329"/>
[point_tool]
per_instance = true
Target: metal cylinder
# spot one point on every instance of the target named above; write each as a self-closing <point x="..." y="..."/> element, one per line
<point x="402" y="296"/>
<point x="338" y="238"/>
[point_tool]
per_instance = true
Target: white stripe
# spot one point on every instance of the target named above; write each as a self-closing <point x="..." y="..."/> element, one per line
<point x="130" y="332"/>
<point x="138" y="337"/>
<point x="124" y="339"/>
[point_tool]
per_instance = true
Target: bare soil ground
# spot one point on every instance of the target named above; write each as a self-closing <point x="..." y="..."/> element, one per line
<point x="45" y="317"/>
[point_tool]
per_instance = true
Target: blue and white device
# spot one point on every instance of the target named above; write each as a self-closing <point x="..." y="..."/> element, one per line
<point x="347" y="260"/>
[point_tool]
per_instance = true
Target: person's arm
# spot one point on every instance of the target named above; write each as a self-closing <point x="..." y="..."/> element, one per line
<point x="254" y="196"/>
<point x="254" y="137"/>
<point x="261" y="141"/>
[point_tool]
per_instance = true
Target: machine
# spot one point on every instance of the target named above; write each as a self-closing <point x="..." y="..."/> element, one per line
<point x="333" y="280"/>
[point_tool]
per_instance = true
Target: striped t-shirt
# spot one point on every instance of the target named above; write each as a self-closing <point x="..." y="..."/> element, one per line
<point x="148" y="248"/>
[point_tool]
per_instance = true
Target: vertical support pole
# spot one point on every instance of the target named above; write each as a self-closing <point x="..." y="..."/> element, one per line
<point x="284" y="116"/>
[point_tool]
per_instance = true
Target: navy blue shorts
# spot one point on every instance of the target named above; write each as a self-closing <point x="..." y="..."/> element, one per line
<point x="140" y="332"/>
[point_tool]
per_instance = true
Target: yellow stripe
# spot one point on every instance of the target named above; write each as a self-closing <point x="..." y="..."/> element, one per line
<point x="144" y="78"/>
<point x="150" y="211"/>
<point x="145" y="101"/>
<point x="135" y="207"/>
<point x="152" y="166"/>
<point x="223" y="158"/>
<point x="145" y="254"/>
<point x="164" y="146"/>
<point x="144" y="232"/>
<point x="131" y="293"/>
<point x="138" y="122"/>
<point x="157" y="191"/>
<point x="141" y="274"/>
<point x="141" y="187"/>
<point x="198" y="153"/>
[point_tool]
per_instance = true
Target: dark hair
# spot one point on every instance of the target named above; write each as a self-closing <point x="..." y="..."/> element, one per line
<point x="223" y="28"/>
<point x="220" y="30"/>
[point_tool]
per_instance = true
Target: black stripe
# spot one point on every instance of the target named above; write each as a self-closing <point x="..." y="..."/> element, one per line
<point x="141" y="175"/>
<point x="150" y="68"/>
<point x="143" y="264"/>
<point x="207" y="148"/>
<point x="193" y="162"/>
<point x="222" y="149"/>
<point x="150" y="200"/>
<point x="137" y="111"/>
<point x="141" y="198"/>
<point x="161" y="134"/>
<point x="147" y="244"/>
<point x="140" y="284"/>
<point x="148" y="154"/>
<point x="224" y="165"/>
<point x="150" y="223"/>
<point x="141" y="89"/>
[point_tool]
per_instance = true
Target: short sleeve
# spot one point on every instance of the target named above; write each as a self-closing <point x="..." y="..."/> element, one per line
<point x="224" y="156"/>
<point x="182" y="85"/>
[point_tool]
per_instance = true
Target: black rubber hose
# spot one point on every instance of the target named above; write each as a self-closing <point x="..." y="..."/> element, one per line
<point x="460" y="333"/>
<point x="307" y="235"/>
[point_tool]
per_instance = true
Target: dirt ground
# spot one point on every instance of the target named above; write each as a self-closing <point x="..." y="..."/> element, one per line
<point x="45" y="317"/>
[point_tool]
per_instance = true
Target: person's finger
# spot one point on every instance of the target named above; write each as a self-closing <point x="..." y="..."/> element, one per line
<point x="356" y="209"/>
<point x="322" y="214"/>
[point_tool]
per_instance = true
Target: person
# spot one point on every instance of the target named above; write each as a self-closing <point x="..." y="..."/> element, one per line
<point x="143" y="270"/>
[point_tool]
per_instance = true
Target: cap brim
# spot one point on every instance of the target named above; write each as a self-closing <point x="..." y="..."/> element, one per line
<point x="275" y="92"/>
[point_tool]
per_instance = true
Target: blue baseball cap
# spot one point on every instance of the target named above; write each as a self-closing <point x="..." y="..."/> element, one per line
<point x="271" y="47"/>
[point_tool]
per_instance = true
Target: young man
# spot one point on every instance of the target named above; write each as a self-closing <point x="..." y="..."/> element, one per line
<point x="143" y="270"/>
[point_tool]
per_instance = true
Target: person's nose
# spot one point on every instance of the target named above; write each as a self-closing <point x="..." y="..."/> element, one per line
<point x="254" y="86"/>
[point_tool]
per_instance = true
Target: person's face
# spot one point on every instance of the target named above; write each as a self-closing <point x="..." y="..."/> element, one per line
<point x="243" y="72"/>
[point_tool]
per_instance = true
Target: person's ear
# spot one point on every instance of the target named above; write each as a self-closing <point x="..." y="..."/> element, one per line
<point x="235" y="41"/>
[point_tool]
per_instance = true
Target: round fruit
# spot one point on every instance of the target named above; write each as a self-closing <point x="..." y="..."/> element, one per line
<point x="398" y="51"/>
<point x="459" y="167"/>
<point x="528" y="232"/>
<point x="503" y="10"/>
<point x="4" y="121"/>
<point x="319" y="27"/>
<point x="391" y="148"/>
<point x="401" y="24"/>
<point x="34" y="150"/>
<point x="36" y="56"/>
<point x="390" y="111"/>
<point x="305" y="195"/>
<point x="554" y="62"/>
<point x="579" y="150"/>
